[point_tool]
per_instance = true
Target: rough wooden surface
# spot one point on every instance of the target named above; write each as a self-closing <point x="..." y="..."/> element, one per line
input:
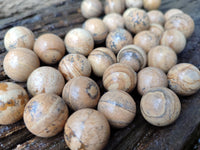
<point x="59" y="19"/>
<point x="10" y="8"/>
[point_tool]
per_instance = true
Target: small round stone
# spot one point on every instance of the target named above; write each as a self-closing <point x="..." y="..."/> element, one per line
<point x="79" y="41"/>
<point x="182" y="22"/>
<point x="45" y="80"/>
<point x="74" y="65"/>
<point x="136" y="20"/>
<point x="117" y="39"/>
<point x="113" y="21"/>
<point x="127" y="11"/>
<point x="19" y="63"/>
<point x="160" y="106"/>
<point x="118" y="107"/>
<point x="134" y="3"/>
<point x="150" y="77"/>
<point x="19" y="36"/>
<point x="45" y="115"/>
<point x="133" y="56"/>
<point x="50" y="48"/>
<point x="157" y="29"/>
<point x="172" y="12"/>
<point x="13" y="99"/>
<point x="97" y="28"/>
<point x="114" y="6"/>
<point x="162" y="57"/>
<point x="119" y="76"/>
<point x="146" y="40"/>
<point x="156" y="16"/>
<point x="81" y="92"/>
<point x="151" y="4"/>
<point x="100" y="59"/>
<point x="184" y="79"/>
<point x="174" y="39"/>
<point x="87" y="129"/>
<point x="91" y="8"/>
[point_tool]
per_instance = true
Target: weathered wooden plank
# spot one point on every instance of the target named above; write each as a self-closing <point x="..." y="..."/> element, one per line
<point x="2" y="73"/>
<point x="57" y="19"/>
<point x="20" y="6"/>
<point x="10" y="129"/>
<point x="13" y="134"/>
<point x="53" y="143"/>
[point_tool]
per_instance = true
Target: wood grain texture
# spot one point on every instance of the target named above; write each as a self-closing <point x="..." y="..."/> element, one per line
<point x="20" y="6"/>
<point x="53" y="143"/>
<point x="57" y="19"/>
<point x="62" y="17"/>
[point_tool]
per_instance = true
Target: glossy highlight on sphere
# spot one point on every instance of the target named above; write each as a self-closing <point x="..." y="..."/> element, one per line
<point x="87" y="129"/>
<point x="81" y="92"/>
<point x="174" y="39"/>
<point x="134" y="3"/>
<point x="97" y="28"/>
<point x="184" y="79"/>
<point x="162" y="57"/>
<point x="19" y="36"/>
<point x="160" y="106"/>
<point x="91" y="8"/>
<point x="172" y="12"/>
<point x="182" y="22"/>
<point x="50" y="48"/>
<point x="151" y="4"/>
<point x="146" y="40"/>
<point x="114" y="6"/>
<point x="118" y="107"/>
<point x="79" y="41"/>
<point x="13" y="99"/>
<point x="156" y="16"/>
<point x="113" y="21"/>
<point x="19" y="63"/>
